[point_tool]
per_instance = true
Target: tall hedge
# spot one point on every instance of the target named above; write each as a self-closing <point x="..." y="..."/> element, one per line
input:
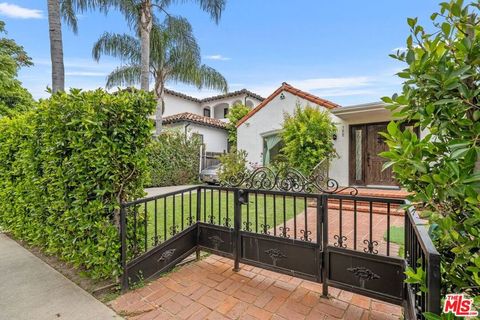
<point x="65" y="166"/>
<point x="173" y="159"/>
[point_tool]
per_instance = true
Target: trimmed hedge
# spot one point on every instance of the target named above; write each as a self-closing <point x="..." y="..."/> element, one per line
<point x="65" y="166"/>
<point x="173" y="159"/>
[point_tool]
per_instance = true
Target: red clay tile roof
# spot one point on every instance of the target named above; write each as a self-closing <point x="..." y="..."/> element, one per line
<point x="286" y="87"/>
<point x="195" y="118"/>
<point x="218" y="97"/>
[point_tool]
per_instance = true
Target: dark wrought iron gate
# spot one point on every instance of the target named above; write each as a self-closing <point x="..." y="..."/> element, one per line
<point x="278" y="222"/>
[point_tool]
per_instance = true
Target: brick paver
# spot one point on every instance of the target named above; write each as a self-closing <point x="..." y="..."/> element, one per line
<point x="209" y="289"/>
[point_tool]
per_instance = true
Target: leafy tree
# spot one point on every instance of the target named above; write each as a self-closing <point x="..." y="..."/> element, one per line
<point x="308" y="138"/>
<point x="441" y="94"/>
<point x="235" y="113"/>
<point x="175" y="56"/>
<point x="140" y="16"/>
<point x="13" y="97"/>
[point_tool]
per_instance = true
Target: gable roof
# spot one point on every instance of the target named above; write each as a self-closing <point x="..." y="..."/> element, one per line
<point x="217" y="97"/>
<point x="299" y="93"/>
<point x="194" y="118"/>
<point x="233" y="94"/>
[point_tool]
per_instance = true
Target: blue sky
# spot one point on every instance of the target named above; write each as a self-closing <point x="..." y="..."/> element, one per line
<point x="337" y="50"/>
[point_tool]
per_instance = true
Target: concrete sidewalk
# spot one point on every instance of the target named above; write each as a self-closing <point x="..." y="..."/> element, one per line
<point x="31" y="289"/>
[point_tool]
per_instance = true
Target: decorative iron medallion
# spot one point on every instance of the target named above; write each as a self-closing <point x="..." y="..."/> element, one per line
<point x="370" y="246"/>
<point x="284" y="232"/>
<point x="166" y="255"/>
<point x="288" y="179"/>
<point x="247" y="226"/>
<point x="216" y="241"/>
<point x="340" y="241"/>
<point x="173" y="230"/>
<point x="275" y="255"/>
<point x="305" y="235"/>
<point x="363" y="274"/>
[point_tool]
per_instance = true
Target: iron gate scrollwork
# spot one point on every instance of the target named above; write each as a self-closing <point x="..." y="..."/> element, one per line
<point x="280" y="221"/>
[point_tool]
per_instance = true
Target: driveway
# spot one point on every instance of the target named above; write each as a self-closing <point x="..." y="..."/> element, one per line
<point x="162" y="190"/>
<point x="31" y="289"/>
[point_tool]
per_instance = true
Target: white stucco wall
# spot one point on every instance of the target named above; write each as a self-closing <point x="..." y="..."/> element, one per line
<point x="217" y="106"/>
<point x="270" y="119"/>
<point x="267" y="119"/>
<point x="174" y="105"/>
<point x="215" y="139"/>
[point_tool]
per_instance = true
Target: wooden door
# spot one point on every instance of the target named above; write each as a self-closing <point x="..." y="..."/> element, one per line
<point x="375" y="144"/>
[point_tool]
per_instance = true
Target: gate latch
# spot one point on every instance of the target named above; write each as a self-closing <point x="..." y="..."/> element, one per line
<point x="242" y="196"/>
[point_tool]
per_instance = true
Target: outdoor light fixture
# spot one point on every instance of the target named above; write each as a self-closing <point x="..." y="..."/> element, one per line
<point x="334" y="136"/>
<point x="282" y="96"/>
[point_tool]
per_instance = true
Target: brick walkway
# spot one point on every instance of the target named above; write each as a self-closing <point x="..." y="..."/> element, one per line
<point x="209" y="289"/>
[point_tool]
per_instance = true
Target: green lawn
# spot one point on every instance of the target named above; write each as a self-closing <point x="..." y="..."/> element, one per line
<point x="397" y="235"/>
<point x="218" y="207"/>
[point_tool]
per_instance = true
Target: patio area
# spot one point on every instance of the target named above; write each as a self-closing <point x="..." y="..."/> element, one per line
<point x="209" y="289"/>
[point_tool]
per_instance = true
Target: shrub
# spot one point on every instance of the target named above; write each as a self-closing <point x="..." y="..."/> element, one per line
<point x="233" y="164"/>
<point x="308" y="138"/>
<point x="235" y="114"/>
<point x="441" y="94"/>
<point x="64" y="168"/>
<point x="173" y="159"/>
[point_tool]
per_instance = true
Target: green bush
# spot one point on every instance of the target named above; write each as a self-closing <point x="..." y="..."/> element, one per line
<point x="235" y="114"/>
<point x="308" y="137"/>
<point x="233" y="164"/>
<point x="173" y="159"/>
<point x="441" y="94"/>
<point x="65" y="166"/>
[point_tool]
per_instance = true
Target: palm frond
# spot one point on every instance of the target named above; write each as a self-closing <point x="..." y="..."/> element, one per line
<point x="130" y="9"/>
<point x="212" y="7"/>
<point x="67" y="11"/>
<point x="210" y="78"/>
<point x="124" y="76"/>
<point x="121" y="46"/>
<point x="200" y="76"/>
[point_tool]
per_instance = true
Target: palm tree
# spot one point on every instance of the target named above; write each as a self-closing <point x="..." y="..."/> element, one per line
<point x="140" y="16"/>
<point x="56" y="46"/>
<point x="58" y="10"/>
<point x="174" y="57"/>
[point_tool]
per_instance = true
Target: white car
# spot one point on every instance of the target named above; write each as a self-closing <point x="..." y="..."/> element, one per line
<point x="210" y="174"/>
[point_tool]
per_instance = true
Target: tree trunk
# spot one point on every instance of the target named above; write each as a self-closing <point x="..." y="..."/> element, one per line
<point x="56" y="46"/>
<point x="145" y="29"/>
<point x="160" y="93"/>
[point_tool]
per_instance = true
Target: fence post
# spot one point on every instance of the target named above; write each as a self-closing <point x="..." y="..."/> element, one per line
<point x="198" y="214"/>
<point x="325" y="263"/>
<point x="237" y="222"/>
<point x="123" y="250"/>
<point x="433" y="283"/>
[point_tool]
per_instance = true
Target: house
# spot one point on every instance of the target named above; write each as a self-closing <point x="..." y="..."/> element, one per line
<point x="205" y="117"/>
<point x="357" y="141"/>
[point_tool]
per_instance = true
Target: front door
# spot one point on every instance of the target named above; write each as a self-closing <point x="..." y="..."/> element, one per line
<point x="376" y="145"/>
<point x="365" y="163"/>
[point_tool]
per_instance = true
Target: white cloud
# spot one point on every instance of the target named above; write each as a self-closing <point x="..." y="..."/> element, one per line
<point x="14" y="11"/>
<point x="217" y="57"/>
